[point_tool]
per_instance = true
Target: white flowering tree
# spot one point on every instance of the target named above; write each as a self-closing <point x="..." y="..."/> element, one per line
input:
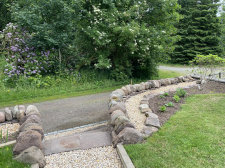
<point x="130" y="37"/>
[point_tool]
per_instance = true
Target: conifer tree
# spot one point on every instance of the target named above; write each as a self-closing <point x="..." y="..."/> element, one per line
<point x="199" y="30"/>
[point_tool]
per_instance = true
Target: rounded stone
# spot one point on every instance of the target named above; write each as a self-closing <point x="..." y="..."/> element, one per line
<point x="2" y="117"/>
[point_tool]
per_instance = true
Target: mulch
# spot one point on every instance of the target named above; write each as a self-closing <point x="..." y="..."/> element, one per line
<point x="211" y="87"/>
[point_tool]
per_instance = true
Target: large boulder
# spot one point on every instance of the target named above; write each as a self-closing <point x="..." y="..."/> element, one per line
<point x="30" y="119"/>
<point x="172" y="80"/>
<point x="112" y="103"/>
<point x="147" y="86"/>
<point x="120" y="120"/>
<point x="35" y="127"/>
<point x="163" y="83"/>
<point x="116" y="97"/>
<point x="120" y="91"/>
<point x="125" y="90"/>
<point x="26" y="140"/>
<point x="118" y="106"/>
<point x="148" y="130"/>
<point x="142" y="85"/>
<point x="115" y="115"/>
<point x="128" y="136"/>
<point x="8" y="114"/>
<point x="167" y="81"/>
<point x="176" y="80"/>
<point x="159" y="83"/>
<point x="22" y="107"/>
<point x="2" y="117"/>
<point x="152" y="122"/>
<point x="181" y="79"/>
<point x="14" y="111"/>
<point x="156" y="83"/>
<point x="20" y="114"/>
<point x="128" y="89"/>
<point x="31" y="108"/>
<point x="124" y="125"/>
<point x="34" y="118"/>
<point x="32" y="155"/>
<point x="137" y="87"/>
<point x="144" y="108"/>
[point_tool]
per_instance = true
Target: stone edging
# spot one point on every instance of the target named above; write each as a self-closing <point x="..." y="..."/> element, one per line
<point x="125" y="159"/>
<point x="8" y="143"/>
<point x="28" y="147"/>
<point x="122" y="130"/>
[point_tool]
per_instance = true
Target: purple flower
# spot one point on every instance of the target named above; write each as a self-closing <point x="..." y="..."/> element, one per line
<point x="13" y="56"/>
<point x="7" y="59"/>
<point x="19" y="60"/>
<point x="6" y="69"/>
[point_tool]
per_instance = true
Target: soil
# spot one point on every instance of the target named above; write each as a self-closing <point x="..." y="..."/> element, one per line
<point x="211" y="87"/>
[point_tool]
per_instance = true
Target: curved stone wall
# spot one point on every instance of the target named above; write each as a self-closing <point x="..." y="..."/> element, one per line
<point x="123" y="131"/>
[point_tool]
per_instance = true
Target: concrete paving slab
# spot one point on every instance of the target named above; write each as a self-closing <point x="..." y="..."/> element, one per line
<point x="84" y="140"/>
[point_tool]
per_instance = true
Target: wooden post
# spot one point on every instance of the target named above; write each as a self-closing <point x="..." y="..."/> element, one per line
<point x="220" y="75"/>
<point x="131" y="81"/>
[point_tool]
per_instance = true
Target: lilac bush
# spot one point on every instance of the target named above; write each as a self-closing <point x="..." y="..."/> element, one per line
<point x="22" y="59"/>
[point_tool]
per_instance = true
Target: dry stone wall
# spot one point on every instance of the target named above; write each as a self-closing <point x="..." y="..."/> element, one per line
<point x="122" y="129"/>
<point x="29" y="146"/>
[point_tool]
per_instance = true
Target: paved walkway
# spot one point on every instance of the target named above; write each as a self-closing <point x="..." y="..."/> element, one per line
<point x="73" y="112"/>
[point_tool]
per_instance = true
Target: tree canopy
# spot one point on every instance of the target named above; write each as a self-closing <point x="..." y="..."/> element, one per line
<point x="199" y="30"/>
<point x="127" y="37"/>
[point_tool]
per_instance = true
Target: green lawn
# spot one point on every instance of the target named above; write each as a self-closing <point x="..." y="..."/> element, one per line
<point x="6" y="160"/>
<point x="194" y="137"/>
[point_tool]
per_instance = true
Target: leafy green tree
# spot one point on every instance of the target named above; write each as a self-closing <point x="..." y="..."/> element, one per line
<point x="199" y="30"/>
<point x="130" y="36"/>
<point x="5" y="15"/>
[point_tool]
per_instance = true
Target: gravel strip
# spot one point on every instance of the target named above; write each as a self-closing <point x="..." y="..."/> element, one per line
<point x="10" y="127"/>
<point x="96" y="157"/>
<point x="72" y="131"/>
<point x="132" y="104"/>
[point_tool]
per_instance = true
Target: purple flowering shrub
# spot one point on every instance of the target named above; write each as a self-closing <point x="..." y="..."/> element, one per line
<point x="23" y="60"/>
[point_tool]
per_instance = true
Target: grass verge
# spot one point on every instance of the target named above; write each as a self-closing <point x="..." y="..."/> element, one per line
<point x="193" y="137"/>
<point x="7" y="161"/>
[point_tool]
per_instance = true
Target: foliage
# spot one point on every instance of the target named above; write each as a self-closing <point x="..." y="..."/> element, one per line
<point x="206" y="66"/>
<point x="199" y="30"/>
<point x="5" y="15"/>
<point x="176" y="98"/>
<point x="162" y="108"/>
<point x="161" y="96"/>
<point x="7" y="160"/>
<point x="125" y="36"/>
<point x="23" y="60"/>
<point x="166" y="94"/>
<point x="180" y="92"/>
<point x="170" y="104"/>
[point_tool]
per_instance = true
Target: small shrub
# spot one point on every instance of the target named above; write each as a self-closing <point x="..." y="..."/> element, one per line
<point x="170" y="104"/>
<point x="162" y="108"/>
<point x="181" y="92"/>
<point x="176" y="98"/>
<point x="161" y="96"/>
<point x="166" y="94"/>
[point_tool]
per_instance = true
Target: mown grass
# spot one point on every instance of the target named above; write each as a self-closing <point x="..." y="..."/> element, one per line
<point x="6" y="159"/>
<point x="163" y="74"/>
<point x="193" y="137"/>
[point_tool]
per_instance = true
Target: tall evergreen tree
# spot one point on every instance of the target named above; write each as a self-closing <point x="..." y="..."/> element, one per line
<point x="199" y="30"/>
